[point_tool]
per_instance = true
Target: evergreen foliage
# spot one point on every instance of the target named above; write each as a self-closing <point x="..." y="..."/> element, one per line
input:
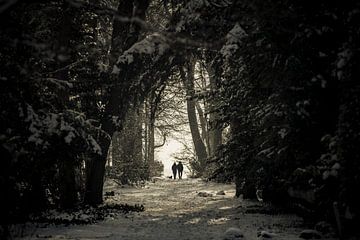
<point x="283" y="96"/>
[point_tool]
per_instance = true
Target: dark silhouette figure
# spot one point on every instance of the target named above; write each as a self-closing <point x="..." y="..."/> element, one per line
<point x="180" y="168"/>
<point x="174" y="169"/>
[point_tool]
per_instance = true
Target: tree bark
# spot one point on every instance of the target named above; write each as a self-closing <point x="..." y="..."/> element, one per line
<point x="151" y="146"/>
<point x="215" y="132"/>
<point x="203" y="125"/>
<point x="95" y="179"/>
<point x="200" y="149"/>
<point x="124" y="36"/>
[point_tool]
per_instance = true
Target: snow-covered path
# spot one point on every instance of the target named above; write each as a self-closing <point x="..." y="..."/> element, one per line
<point x="174" y="210"/>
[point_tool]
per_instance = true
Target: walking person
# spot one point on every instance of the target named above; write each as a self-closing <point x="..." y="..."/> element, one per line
<point x="174" y="170"/>
<point x="180" y="169"/>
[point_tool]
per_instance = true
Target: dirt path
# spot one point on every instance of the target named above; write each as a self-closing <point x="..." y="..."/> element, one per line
<point x="174" y="210"/>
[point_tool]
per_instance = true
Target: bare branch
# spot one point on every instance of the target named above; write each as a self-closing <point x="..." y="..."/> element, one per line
<point x="163" y="142"/>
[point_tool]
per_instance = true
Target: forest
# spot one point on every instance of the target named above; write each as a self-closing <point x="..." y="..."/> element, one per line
<point x="270" y="91"/>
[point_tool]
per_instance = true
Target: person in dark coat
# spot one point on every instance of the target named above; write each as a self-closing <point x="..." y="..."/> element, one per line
<point x="174" y="170"/>
<point x="180" y="168"/>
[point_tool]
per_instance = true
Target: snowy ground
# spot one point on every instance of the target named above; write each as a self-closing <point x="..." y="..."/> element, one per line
<point x="174" y="210"/>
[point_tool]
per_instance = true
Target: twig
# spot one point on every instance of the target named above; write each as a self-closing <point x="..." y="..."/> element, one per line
<point x="67" y="66"/>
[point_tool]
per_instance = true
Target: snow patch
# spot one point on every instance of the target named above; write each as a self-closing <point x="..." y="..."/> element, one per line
<point x="150" y="45"/>
<point x="69" y="137"/>
<point x="282" y="133"/>
<point x="233" y="39"/>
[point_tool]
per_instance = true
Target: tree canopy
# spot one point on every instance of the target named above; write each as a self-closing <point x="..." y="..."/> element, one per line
<point x="278" y="112"/>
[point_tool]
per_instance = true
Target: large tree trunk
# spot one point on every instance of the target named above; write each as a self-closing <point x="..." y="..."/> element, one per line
<point x="124" y="36"/>
<point x="149" y="136"/>
<point x="200" y="149"/>
<point x="68" y="193"/>
<point x="215" y="132"/>
<point x="95" y="179"/>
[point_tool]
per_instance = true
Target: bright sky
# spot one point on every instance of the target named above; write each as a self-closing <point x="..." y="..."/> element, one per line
<point x="164" y="154"/>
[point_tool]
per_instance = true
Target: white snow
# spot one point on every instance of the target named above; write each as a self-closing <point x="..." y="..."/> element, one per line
<point x="173" y="210"/>
<point x="154" y="44"/>
<point x="233" y="39"/>
<point x="115" y="70"/>
<point x="282" y="133"/>
<point x="95" y="146"/>
<point x="336" y="166"/>
<point x="69" y="137"/>
<point x="236" y="34"/>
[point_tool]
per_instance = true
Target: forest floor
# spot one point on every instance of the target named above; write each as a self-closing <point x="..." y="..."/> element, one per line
<point x="178" y="209"/>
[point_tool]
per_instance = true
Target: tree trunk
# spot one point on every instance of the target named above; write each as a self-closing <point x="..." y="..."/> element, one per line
<point x="215" y="132"/>
<point x="203" y="125"/>
<point x="124" y="36"/>
<point x="151" y="141"/>
<point x="200" y="149"/>
<point x="68" y="194"/>
<point x="95" y="179"/>
<point x="234" y="128"/>
<point x="146" y="131"/>
<point x="153" y="103"/>
<point x="149" y="137"/>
